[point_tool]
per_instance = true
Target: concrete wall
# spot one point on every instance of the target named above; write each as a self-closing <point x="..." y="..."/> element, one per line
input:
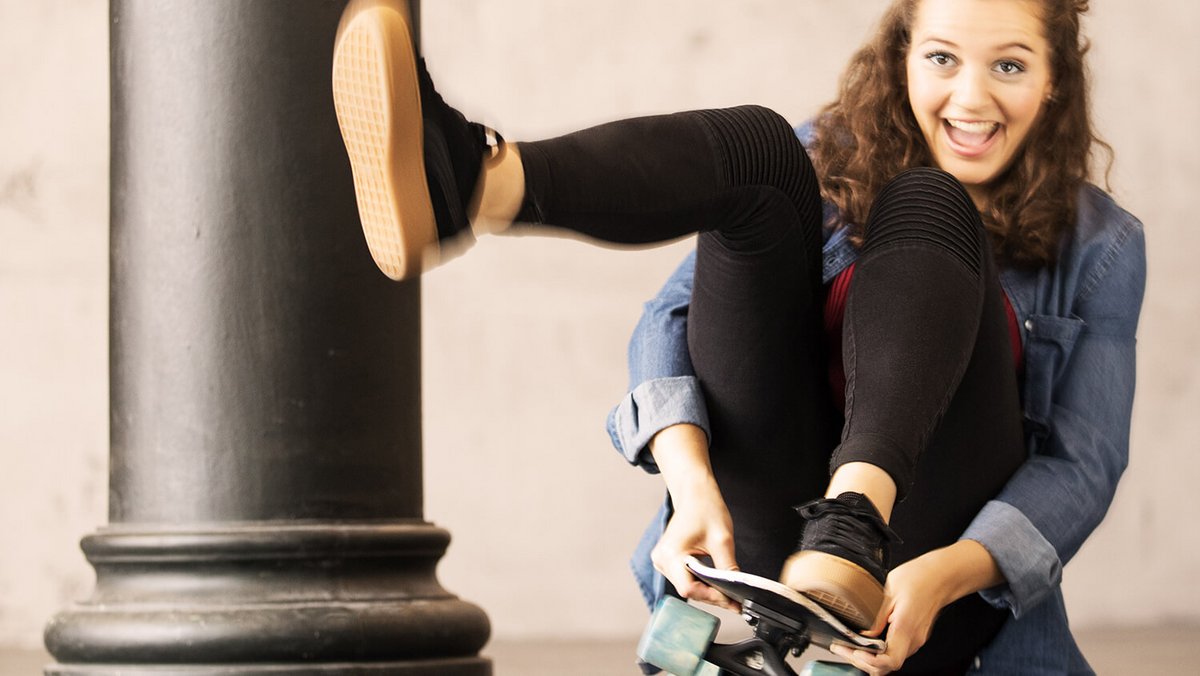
<point x="525" y="340"/>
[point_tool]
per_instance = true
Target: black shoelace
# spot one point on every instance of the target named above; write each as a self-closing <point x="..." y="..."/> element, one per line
<point x="857" y="530"/>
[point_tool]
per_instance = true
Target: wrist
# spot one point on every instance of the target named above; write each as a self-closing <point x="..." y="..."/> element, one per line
<point x="681" y="453"/>
<point x="967" y="568"/>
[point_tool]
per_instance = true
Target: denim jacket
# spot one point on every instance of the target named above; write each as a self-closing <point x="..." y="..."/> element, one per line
<point x="1079" y="318"/>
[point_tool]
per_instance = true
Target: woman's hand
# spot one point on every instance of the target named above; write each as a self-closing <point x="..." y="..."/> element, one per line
<point x="700" y="525"/>
<point x="914" y="595"/>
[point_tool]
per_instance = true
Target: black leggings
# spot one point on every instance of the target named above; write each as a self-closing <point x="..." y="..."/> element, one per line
<point x="931" y="393"/>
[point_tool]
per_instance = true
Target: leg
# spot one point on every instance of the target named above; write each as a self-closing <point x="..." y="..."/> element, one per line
<point x="912" y="319"/>
<point x="931" y="394"/>
<point x="654" y="179"/>
<point x="754" y="316"/>
<point x="926" y="337"/>
<point x="754" y="337"/>
<point x="973" y="451"/>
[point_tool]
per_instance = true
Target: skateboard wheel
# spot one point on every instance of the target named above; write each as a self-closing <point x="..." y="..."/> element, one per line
<point x="823" y="668"/>
<point x="677" y="637"/>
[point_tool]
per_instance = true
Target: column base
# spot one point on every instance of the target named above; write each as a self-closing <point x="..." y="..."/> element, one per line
<point x="269" y="598"/>
<point x="474" y="666"/>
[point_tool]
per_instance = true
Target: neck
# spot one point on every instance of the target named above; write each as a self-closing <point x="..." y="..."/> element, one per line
<point x="979" y="195"/>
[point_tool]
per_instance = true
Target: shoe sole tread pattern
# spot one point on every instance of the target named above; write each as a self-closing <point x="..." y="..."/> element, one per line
<point x="846" y="589"/>
<point x="377" y="98"/>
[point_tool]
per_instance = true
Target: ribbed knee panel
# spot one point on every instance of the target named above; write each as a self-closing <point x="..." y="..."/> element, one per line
<point x="757" y="147"/>
<point x="928" y="206"/>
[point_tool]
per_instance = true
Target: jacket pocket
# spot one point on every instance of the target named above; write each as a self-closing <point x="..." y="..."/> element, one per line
<point x="1049" y="343"/>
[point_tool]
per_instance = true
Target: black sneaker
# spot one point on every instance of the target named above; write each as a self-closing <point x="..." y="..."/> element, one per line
<point x="415" y="160"/>
<point x="842" y="560"/>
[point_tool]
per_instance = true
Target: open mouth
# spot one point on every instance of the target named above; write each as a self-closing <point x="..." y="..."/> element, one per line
<point x="970" y="138"/>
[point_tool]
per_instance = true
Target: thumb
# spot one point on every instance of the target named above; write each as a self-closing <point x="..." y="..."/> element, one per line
<point x="881" y="620"/>
<point x="722" y="555"/>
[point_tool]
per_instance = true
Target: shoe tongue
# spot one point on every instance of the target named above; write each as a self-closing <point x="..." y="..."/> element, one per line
<point x="862" y="503"/>
<point x="853" y="499"/>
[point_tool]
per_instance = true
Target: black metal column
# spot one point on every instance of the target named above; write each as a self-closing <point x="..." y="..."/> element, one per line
<point x="265" y="507"/>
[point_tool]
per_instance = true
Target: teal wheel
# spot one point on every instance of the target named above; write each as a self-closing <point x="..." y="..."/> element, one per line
<point x="677" y="637"/>
<point x="823" y="668"/>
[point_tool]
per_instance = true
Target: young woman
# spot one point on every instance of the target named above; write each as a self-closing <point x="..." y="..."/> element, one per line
<point x="939" y="256"/>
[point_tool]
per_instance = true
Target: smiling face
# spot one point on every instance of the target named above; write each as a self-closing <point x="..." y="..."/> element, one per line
<point x="978" y="77"/>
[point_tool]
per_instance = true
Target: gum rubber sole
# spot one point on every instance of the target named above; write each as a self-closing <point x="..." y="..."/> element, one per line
<point x="845" y="589"/>
<point x="377" y="98"/>
<point x="773" y="601"/>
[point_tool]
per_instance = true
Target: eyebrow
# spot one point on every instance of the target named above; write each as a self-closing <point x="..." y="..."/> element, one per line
<point x="1011" y="45"/>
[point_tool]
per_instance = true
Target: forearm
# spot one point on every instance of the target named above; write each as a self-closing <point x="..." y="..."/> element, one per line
<point x="940" y="577"/>
<point x="681" y="453"/>
<point x="966" y="567"/>
<point x="700" y="524"/>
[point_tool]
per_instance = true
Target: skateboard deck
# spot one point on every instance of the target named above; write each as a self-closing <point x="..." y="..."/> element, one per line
<point x="681" y="638"/>
<point x="762" y="594"/>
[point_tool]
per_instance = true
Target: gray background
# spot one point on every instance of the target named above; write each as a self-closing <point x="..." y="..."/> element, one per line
<point x="525" y="340"/>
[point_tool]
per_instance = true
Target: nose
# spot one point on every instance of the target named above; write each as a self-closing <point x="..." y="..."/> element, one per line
<point x="971" y="90"/>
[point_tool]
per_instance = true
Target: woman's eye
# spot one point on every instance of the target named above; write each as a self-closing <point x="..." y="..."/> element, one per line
<point x="1010" y="67"/>
<point x="940" y="58"/>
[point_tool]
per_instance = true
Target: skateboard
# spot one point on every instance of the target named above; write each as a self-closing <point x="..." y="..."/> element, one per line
<point x="680" y="637"/>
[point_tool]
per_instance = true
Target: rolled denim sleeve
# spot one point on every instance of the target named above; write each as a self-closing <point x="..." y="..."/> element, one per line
<point x="1029" y="562"/>
<point x="664" y="390"/>
<point x="1080" y="414"/>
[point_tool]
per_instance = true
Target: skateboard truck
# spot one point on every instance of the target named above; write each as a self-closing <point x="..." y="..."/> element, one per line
<point x="775" y="637"/>
<point x="680" y="640"/>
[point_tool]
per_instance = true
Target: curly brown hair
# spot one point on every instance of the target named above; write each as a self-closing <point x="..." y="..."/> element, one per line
<point x="869" y="134"/>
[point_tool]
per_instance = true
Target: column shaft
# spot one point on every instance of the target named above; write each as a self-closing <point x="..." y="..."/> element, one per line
<point x="265" y="507"/>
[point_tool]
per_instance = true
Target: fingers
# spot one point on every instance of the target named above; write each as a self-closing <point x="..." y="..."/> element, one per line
<point x="721" y="551"/>
<point x="698" y="591"/>
<point x="693" y="589"/>
<point x="672" y="564"/>
<point x="904" y="638"/>
<point x="677" y="573"/>
<point x="720" y="548"/>
<point x="873" y="665"/>
<point x="883" y="663"/>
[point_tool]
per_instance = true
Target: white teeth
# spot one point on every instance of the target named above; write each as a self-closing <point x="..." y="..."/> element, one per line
<point x="974" y="127"/>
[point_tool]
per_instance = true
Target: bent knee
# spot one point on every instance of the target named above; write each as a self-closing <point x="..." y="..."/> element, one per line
<point x="929" y="207"/>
